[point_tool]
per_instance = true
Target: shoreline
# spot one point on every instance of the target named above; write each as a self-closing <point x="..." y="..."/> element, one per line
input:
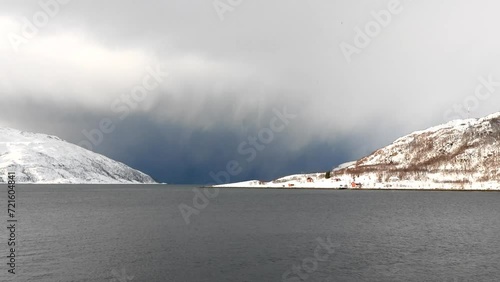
<point x="359" y="189"/>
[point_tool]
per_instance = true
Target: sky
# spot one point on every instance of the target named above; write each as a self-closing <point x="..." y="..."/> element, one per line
<point x="207" y="91"/>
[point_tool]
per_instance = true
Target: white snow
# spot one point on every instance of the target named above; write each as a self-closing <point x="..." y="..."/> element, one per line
<point x="40" y="158"/>
<point x="344" y="165"/>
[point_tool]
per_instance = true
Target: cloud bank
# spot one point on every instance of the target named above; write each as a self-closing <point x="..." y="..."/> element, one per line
<point x="226" y="76"/>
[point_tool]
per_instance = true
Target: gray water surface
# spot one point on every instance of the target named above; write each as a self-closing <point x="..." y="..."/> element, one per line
<point x="137" y="233"/>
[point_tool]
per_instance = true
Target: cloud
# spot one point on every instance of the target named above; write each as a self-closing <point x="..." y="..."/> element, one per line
<point x="69" y="66"/>
<point x="225" y="77"/>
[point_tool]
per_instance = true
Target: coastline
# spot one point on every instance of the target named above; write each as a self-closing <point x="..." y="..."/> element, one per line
<point x="354" y="189"/>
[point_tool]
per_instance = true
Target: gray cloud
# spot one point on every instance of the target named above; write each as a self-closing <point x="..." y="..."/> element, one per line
<point x="227" y="76"/>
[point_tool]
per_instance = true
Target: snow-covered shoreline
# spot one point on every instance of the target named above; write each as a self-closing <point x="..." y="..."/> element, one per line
<point x="402" y="185"/>
<point x="318" y="181"/>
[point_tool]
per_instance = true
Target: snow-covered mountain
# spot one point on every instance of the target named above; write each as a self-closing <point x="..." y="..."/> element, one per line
<point x="40" y="158"/>
<point x="461" y="154"/>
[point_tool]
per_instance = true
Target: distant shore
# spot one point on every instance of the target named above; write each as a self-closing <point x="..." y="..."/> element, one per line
<point x="356" y="189"/>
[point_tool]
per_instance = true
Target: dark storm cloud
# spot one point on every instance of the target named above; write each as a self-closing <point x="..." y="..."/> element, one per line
<point x="226" y="77"/>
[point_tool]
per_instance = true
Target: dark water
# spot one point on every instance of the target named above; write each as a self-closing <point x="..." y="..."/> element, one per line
<point x="137" y="233"/>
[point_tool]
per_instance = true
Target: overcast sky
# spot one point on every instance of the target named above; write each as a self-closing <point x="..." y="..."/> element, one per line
<point x="351" y="75"/>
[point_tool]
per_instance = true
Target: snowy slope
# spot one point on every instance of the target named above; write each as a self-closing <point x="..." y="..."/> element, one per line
<point x="40" y="158"/>
<point x="461" y="154"/>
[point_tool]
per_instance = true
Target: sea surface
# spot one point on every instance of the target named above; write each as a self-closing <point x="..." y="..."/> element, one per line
<point x="137" y="233"/>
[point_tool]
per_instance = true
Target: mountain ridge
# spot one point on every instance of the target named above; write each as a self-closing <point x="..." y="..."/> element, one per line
<point x="466" y="149"/>
<point x="38" y="158"/>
